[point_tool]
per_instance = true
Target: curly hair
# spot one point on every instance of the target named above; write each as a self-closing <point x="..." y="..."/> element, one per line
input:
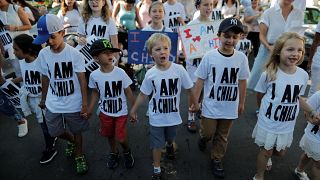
<point x="87" y="12"/>
<point x="64" y="7"/>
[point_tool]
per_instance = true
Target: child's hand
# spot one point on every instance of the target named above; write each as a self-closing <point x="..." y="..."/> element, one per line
<point x="42" y="104"/>
<point x="240" y="109"/>
<point x="84" y="112"/>
<point x="133" y="116"/>
<point x="194" y="107"/>
<point x="82" y="41"/>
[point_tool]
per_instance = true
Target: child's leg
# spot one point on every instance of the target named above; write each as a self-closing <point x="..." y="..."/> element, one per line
<point x="315" y="169"/>
<point x="113" y="144"/>
<point x="170" y="135"/>
<point x="220" y="139"/>
<point x="121" y="132"/>
<point x="157" y="142"/>
<point x="262" y="160"/>
<point x="303" y="162"/>
<point x="78" y="143"/>
<point x="49" y="141"/>
<point x="279" y="153"/>
<point x="207" y="129"/>
<point x="156" y="153"/>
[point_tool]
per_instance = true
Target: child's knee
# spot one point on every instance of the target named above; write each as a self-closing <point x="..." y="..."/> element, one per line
<point x="266" y="153"/>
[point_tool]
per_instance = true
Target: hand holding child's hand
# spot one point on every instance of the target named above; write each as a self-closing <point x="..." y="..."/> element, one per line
<point x="133" y="116"/>
<point x="42" y="104"/>
<point x="240" y="109"/>
<point x="194" y="107"/>
<point x="82" y="41"/>
<point x="84" y="112"/>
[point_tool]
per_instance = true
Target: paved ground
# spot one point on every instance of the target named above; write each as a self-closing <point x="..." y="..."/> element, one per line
<point x="19" y="157"/>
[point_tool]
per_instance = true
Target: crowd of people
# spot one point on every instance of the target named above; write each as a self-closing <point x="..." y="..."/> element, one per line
<point x="53" y="80"/>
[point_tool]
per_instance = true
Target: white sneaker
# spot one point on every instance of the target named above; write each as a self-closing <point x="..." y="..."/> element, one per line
<point x="301" y="175"/>
<point x="23" y="128"/>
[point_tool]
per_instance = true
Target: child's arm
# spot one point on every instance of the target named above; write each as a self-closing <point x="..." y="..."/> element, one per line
<point x="93" y="99"/>
<point x="83" y="88"/>
<point x="242" y="95"/>
<point x="133" y="113"/>
<point x="129" y="95"/>
<point x="310" y="113"/>
<point x="45" y="86"/>
<point x="17" y="80"/>
<point x="193" y="100"/>
<point x="199" y="87"/>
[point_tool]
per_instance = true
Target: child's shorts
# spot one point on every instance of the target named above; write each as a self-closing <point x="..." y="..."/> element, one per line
<point x="269" y="140"/>
<point x="113" y="126"/>
<point x="59" y="122"/>
<point x="311" y="148"/>
<point x="160" y="135"/>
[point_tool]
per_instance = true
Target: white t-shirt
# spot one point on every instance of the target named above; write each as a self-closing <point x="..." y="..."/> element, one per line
<point x="73" y="18"/>
<point x="165" y="87"/>
<point x="299" y="4"/>
<point x="98" y="27"/>
<point x="221" y="77"/>
<point x="232" y="11"/>
<point x="316" y="56"/>
<point x="172" y="14"/>
<point x="111" y="86"/>
<point x="276" y="24"/>
<point x="280" y="105"/>
<point x="313" y="101"/>
<point x="64" y="94"/>
<point x="244" y="45"/>
<point x="31" y="77"/>
<point x="216" y="14"/>
<point x="163" y="29"/>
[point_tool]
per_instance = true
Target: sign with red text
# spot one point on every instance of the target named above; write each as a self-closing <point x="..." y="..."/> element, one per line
<point x="197" y="39"/>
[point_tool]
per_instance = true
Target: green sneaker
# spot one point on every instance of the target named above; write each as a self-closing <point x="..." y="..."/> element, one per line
<point x="69" y="151"/>
<point x="81" y="164"/>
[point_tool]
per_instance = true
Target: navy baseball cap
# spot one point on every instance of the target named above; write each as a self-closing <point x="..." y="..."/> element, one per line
<point x="231" y="24"/>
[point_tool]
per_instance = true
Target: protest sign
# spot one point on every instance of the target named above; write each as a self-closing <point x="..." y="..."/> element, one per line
<point x="84" y="49"/>
<point x="12" y="93"/>
<point x="137" y="50"/>
<point x="5" y="37"/>
<point x="197" y="39"/>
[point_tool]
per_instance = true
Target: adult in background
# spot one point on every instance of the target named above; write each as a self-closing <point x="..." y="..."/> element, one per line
<point x="32" y="12"/>
<point x="126" y="14"/>
<point x="281" y="18"/>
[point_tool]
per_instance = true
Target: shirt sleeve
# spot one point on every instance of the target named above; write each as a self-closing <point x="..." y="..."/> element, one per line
<point x="43" y="66"/>
<point x="304" y="87"/>
<point x="113" y="28"/>
<point x="183" y="12"/>
<point x="265" y="19"/>
<point x="146" y="86"/>
<point x="79" y="64"/>
<point x="92" y="82"/>
<point x="126" y="79"/>
<point x="186" y="81"/>
<point x="314" y="101"/>
<point x="244" y="70"/>
<point x="262" y="84"/>
<point x="202" y="70"/>
<point x="81" y="27"/>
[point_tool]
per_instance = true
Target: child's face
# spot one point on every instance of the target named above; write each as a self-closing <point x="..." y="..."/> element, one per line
<point x="291" y="52"/>
<point x="56" y="40"/>
<point x="69" y="2"/>
<point x="157" y="14"/>
<point x="229" y="40"/>
<point x="105" y="58"/>
<point x="205" y="8"/>
<point x="244" y="35"/>
<point x="96" y="5"/>
<point x="18" y="52"/>
<point x="160" y="53"/>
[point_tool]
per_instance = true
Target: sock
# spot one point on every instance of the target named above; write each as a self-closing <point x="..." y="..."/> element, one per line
<point x="190" y="116"/>
<point x="157" y="170"/>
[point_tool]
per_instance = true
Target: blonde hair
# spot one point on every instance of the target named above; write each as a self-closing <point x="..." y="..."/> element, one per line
<point x="87" y="12"/>
<point x="274" y="59"/>
<point x="157" y="37"/>
<point x="156" y="3"/>
<point x="64" y="7"/>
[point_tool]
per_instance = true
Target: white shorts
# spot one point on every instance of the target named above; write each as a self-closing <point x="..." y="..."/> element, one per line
<point x="310" y="148"/>
<point x="269" y="140"/>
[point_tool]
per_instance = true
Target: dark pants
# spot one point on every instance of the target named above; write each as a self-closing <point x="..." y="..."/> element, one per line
<point x="47" y="138"/>
<point x="7" y="108"/>
<point x="255" y="41"/>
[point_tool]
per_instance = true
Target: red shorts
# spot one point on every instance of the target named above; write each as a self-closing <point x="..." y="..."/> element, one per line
<point x="113" y="126"/>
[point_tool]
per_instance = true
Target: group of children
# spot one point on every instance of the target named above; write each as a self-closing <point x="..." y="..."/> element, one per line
<point x="222" y="75"/>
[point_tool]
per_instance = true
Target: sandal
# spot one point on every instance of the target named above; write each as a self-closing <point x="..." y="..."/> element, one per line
<point x="269" y="165"/>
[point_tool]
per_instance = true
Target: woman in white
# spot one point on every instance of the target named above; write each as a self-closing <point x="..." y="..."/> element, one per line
<point x="231" y="8"/>
<point x="70" y="15"/>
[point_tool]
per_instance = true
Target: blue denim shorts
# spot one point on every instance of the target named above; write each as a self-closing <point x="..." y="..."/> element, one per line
<point x="160" y="135"/>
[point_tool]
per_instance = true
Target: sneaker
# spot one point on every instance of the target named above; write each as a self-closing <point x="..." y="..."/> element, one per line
<point x="170" y="152"/>
<point x="192" y="126"/>
<point x="48" y="155"/>
<point x="69" y="151"/>
<point x="301" y="175"/>
<point x="113" y="160"/>
<point x="202" y="144"/>
<point x="23" y="128"/>
<point x="81" y="164"/>
<point x="218" y="170"/>
<point x="156" y="176"/>
<point x="128" y="159"/>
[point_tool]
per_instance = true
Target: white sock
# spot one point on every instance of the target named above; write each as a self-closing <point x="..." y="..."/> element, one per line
<point x="157" y="170"/>
<point x="190" y="116"/>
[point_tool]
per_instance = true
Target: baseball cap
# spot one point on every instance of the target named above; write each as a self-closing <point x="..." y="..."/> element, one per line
<point x="102" y="45"/>
<point x="47" y="25"/>
<point x="231" y="23"/>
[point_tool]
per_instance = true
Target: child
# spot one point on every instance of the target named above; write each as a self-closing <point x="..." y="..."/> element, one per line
<point x="215" y="14"/>
<point x="69" y="15"/>
<point x="96" y="20"/>
<point x="163" y="82"/>
<point x="157" y="13"/>
<point x="111" y="85"/>
<point x="27" y="54"/>
<point x="64" y="92"/>
<point x="175" y="15"/>
<point x="244" y="45"/>
<point x="310" y="144"/>
<point x="205" y="8"/>
<point x="279" y="93"/>
<point x="223" y="74"/>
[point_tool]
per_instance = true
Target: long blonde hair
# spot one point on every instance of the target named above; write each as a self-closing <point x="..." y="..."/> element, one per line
<point x="87" y="12"/>
<point x="274" y="59"/>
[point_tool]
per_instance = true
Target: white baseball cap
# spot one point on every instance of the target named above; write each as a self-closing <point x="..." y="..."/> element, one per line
<point x="47" y="25"/>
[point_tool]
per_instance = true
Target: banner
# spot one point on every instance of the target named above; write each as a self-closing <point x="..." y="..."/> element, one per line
<point x="197" y="39"/>
<point x="84" y="49"/>
<point x="5" y="37"/>
<point x="137" y="50"/>
<point x="12" y="92"/>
